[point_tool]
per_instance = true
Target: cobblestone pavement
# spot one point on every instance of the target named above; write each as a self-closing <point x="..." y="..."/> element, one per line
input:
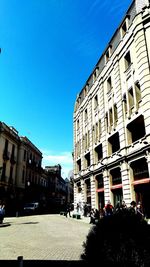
<point x="43" y="237"/>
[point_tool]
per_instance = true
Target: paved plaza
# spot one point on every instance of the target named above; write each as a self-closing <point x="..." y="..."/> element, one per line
<point x="43" y="237"/>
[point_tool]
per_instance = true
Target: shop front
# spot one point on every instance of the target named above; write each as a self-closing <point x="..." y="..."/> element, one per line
<point x="141" y="184"/>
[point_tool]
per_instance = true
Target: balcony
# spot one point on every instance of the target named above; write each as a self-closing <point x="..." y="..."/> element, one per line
<point x="13" y="159"/>
<point x="129" y="71"/>
<point x="6" y="155"/>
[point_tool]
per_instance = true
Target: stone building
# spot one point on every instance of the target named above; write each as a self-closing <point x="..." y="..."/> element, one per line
<point x="9" y="144"/>
<point x="21" y="175"/>
<point x="57" y="194"/>
<point x="112" y="119"/>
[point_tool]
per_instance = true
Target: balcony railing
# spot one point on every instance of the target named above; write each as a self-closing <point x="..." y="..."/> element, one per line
<point x="6" y="155"/>
<point x="13" y="159"/>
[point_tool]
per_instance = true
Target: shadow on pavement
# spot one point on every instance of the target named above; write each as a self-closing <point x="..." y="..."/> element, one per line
<point x="41" y="263"/>
<point x="29" y="223"/>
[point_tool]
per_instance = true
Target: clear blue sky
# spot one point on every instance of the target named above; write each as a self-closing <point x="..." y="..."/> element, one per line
<point x="49" y="49"/>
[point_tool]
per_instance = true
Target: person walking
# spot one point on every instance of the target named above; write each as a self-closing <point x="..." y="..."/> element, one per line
<point x="108" y="209"/>
<point x="139" y="210"/>
<point x="2" y="213"/>
<point x="132" y="207"/>
<point x="97" y="216"/>
<point x="92" y="216"/>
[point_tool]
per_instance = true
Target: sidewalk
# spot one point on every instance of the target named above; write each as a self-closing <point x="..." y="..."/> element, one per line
<point x="82" y="219"/>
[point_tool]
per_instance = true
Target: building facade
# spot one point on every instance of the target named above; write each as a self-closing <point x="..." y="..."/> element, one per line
<point x="58" y="193"/>
<point x="112" y="119"/>
<point x="21" y="175"/>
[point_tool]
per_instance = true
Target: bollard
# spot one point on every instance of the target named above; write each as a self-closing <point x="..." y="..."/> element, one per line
<point x="20" y="261"/>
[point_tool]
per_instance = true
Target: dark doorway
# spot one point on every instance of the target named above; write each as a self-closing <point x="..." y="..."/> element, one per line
<point x="117" y="195"/>
<point x="143" y="194"/>
<point x="101" y="202"/>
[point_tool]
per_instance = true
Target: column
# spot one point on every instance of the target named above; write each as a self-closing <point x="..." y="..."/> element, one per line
<point x="93" y="191"/>
<point x="127" y="187"/>
<point x="148" y="162"/>
<point x="107" y="191"/>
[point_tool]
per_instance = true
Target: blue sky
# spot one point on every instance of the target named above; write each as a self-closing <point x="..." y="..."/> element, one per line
<point x="49" y="49"/>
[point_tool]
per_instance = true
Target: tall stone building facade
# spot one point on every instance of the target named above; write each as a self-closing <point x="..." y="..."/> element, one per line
<point x="112" y="119"/>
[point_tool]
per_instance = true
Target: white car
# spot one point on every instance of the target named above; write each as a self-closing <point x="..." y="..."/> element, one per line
<point x="31" y="208"/>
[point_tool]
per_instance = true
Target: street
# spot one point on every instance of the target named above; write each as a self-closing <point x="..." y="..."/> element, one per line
<point x="43" y="237"/>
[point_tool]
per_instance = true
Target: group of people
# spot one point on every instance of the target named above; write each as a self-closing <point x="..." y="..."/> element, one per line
<point x="119" y="240"/>
<point x="2" y="212"/>
<point x="109" y="209"/>
<point x="122" y="207"/>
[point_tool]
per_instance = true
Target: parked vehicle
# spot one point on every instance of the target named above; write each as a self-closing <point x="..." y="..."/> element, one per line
<point x="31" y="208"/>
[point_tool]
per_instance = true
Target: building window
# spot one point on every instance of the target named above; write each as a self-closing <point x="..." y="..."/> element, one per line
<point x="95" y="101"/>
<point x="78" y="149"/>
<point x="6" y="154"/>
<point x="111" y="117"/>
<point x="77" y="124"/>
<point x="113" y="143"/>
<point x="86" y="141"/>
<point x="131" y="98"/>
<point x="136" y="129"/>
<point x="127" y="60"/>
<point x="138" y="92"/>
<point x="100" y="128"/>
<point x="6" y="145"/>
<point x="88" y="137"/>
<point x="116" y="176"/>
<point x="79" y="165"/>
<point x="85" y="115"/>
<point x="87" y="160"/>
<point x="109" y="84"/>
<point x="124" y="100"/>
<point x="108" y="53"/>
<point x="140" y="169"/>
<point x="3" y="177"/>
<point x="100" y="182"/>
<point x="94" y="76"/>
<point x="79" y="188"/>
<point x="24" y="155"/>
<point x="96" y="132"/>
<point x="106" y="119"/>
<point x="85" y="91"/>
<point x="124" y="28"/>
<point x="98" y="153"/>
<point x="115" y="113"/>
<point x="11" y="174"/>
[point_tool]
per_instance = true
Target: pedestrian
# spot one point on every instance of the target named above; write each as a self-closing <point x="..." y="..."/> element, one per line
<point x="139" y="210"/>
<point x="117" y="207"/>
<point x="85" y="210"/>
<point x="96" y="216"/>
<point x="132" y="207"/>
<point x="108" y="209"/>
<point x="92" y="216"/>
<point x="2" y="213"/>
<point x="78" y="207"/>
<point x="123" y="206"/>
